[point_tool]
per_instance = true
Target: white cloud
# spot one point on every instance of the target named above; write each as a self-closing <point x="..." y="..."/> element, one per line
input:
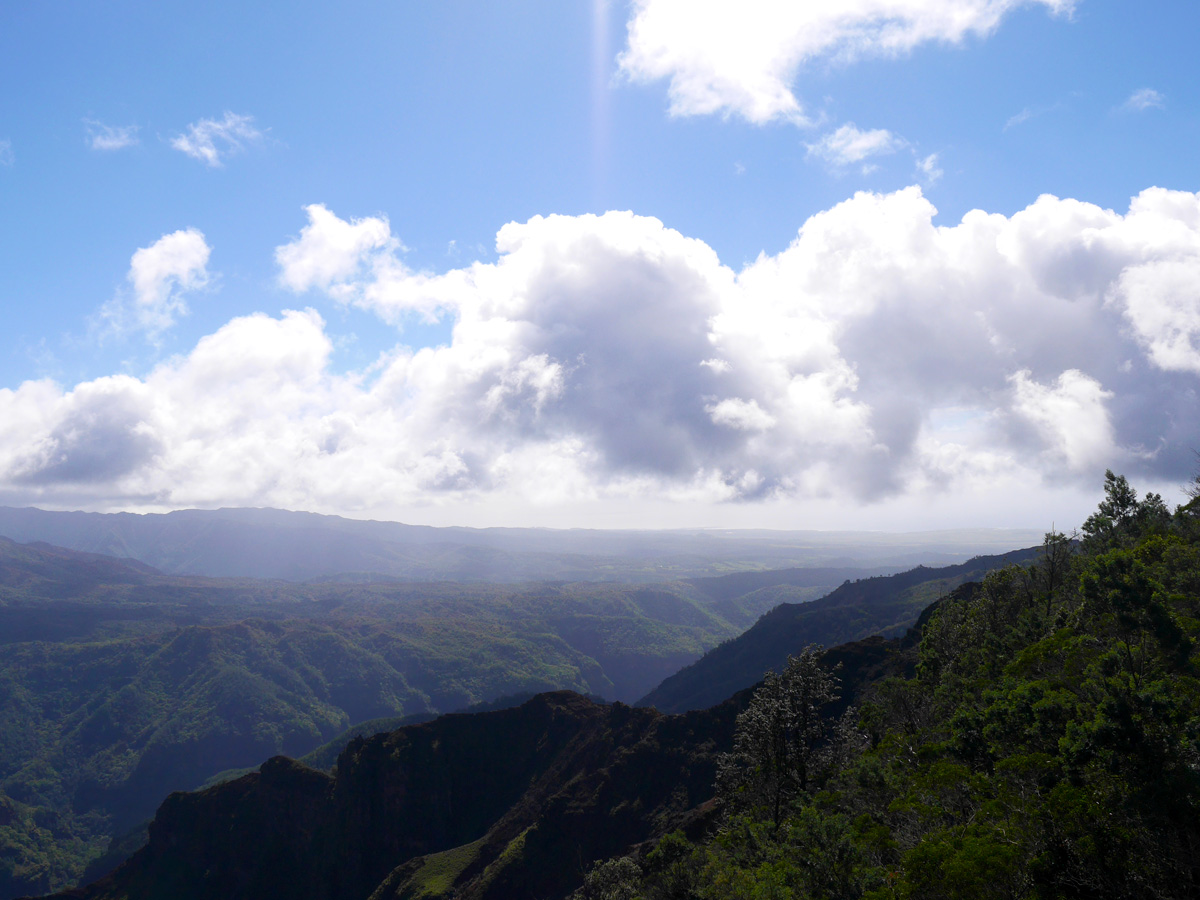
<point x="210" y="140"/>
<point x="929" y="168"/>
<point x="160" y="276"/>
<point x="353" y="261"/>
<point x="743" y="57"/>
<point x="6" y="153"/>
<point x="1020" y="118"/>
<point x="848" y="145"/>
<point x="1162" y="301"/>
<point x="1031" y="112"/>
<point x="609" y="359"/>
<point x="1143" y="99"/>
<point x="110" y="137"/>
<point x="741" y="414"/>
<point x="1072" y="417"/>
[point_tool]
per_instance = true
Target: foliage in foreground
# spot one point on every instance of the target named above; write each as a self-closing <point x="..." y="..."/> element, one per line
<point x="1048" y="745"/>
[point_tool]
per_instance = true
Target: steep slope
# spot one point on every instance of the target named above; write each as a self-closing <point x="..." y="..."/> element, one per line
<point x="885" y="605"/>
<point x="56" y="571"/>
<point x="484" y="806"/>
<point x="119" y="684"/>
<point x="1045" y="745"/>
<point x="528" y="796"/>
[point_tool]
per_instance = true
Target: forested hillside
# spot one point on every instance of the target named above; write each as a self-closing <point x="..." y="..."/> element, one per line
<point x="886" y="605"/>
<point x="119" y="684"/>
<point x="1046" y="744"/>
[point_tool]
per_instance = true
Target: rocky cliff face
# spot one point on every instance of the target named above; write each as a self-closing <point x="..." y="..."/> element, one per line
<point x="466" y="805"/>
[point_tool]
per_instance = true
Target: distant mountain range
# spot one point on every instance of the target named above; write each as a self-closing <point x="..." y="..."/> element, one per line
<point x="299" y="546"/>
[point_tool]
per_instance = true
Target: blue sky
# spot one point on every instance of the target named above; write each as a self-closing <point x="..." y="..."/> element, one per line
<point x="205" y="136"/>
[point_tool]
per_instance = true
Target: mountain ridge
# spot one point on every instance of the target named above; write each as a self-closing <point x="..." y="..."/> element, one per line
<point x="882" y="604"/>
<point x="402" y="796"/>
<point x="299" y="546"/>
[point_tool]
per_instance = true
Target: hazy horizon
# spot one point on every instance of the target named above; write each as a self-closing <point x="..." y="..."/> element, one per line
<point x="714" y="529"/>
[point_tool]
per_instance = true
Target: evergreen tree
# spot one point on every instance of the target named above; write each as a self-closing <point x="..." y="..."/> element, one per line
<point x="779" y="734"/>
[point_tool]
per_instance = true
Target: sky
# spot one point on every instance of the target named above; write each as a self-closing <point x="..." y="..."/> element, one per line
<point x="866" y="264"/>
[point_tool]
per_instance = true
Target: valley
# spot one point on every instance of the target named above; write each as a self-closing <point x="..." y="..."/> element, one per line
<point x="1032" y="734"/>
<point x="121" y="684"/>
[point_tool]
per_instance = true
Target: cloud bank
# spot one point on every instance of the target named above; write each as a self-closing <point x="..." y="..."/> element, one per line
<point x="742" y="57"/>
<point x="600" y="357"/>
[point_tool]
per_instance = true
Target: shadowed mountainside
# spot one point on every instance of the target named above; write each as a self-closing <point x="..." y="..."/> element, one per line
<point x="488" y="802"/>
<point x="487" y="806"/>
<point x="119" y="684"/>
<point x="885" y="605"/>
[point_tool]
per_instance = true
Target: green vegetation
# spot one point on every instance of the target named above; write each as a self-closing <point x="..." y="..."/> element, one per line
<point x="438" y="872"/>
<point x="1035" y="735"/>
<point x="119" y="685"/>
<point x="884" y="605"/>
<point x="1046" y="744"/>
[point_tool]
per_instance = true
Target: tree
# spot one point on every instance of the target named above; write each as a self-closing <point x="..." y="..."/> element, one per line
<point x="779" y="734"/>
<point x="1120" y="519"/>
<point x="1050" y="573"/>
<point x="1192" y="488"/>
<point x="1190" y="511"/>
<point x="614" y="879"/>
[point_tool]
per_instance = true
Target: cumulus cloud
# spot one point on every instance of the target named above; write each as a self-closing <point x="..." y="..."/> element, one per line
<point x="1143" y="99"/>
<point x="211" y="140"/>
<point x="1071" y="415"/>
<point x="742" y="57"/>
<point x="1162" y="300"/>
<point x="6" y="153"/>
<point x="848" y="144"/>
<point x="99" y="433"/>
<point x="356" y="261"/>
<point x="110" y="137"/>
<point x="160" y="277"/>
<point x="610" y="357"/>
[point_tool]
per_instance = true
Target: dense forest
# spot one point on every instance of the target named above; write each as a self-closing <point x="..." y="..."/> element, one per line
<point x="1041" y="740"/>
<point x="119" y="685"/>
